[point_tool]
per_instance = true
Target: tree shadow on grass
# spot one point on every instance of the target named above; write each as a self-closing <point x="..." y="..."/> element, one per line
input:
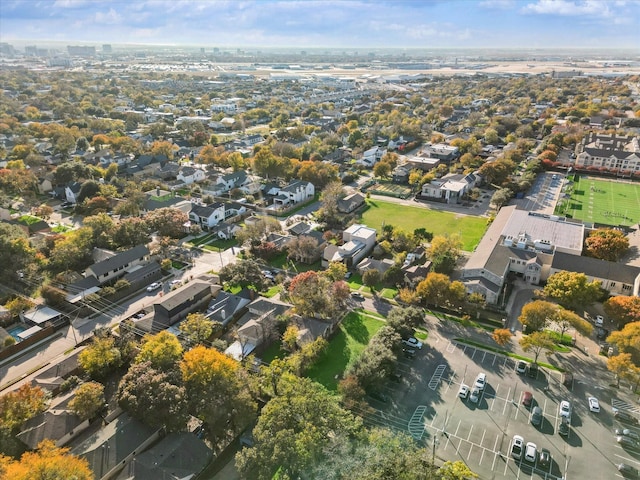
<point x="356" y="329"/>
<point x="333" y="362"/>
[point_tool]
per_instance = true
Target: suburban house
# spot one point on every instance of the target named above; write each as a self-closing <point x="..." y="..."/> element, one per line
<point x="257" y="327"/>
<point x="309" y="329"/>
<point x="176" y="305"/>
<point x="118" y="264"/>
<point x="414" y="274"/>
<point x="226" y="307"/>
<point x="57" y="373"/>
<point x="372" y="264"/>
<point x="57" y="423"/>
<point x="226" y="231"/>
<point x="450" y="188"/>
<point x="190" y="175"/>
<point x="207" y="216"/>
<point x="296" y="192"/>
<point x="71" y="192"/>
<point x="178" y="456"/>
<point x="608" y="152"/>
<point x="351" y="202"/>
<point x="112" y="447"/>
<point x="316" y="253"/>
<point x="157" y="199"/>
<point x="168" y="171"/>
<point x="358" y="242"/>
<point x="535" y="246"/>
<point x="372" y="156"/>
<point x="441" y="151"/>
<point x="425" y="164"/>
<point x="229" y="181"/>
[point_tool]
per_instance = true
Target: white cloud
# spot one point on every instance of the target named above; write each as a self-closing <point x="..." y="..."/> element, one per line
<point x="109" y="17"/>
<point x="499" y="4"/>
<point x="569" y="8"/>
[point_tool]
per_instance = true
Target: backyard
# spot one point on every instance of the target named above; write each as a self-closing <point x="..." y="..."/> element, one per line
<point x="470" y="228"/>
<point x="354" y="334"/>
<point x="607" y="202"/>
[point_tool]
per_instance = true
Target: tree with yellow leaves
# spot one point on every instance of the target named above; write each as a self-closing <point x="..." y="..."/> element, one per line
<point x="48" y="461"/>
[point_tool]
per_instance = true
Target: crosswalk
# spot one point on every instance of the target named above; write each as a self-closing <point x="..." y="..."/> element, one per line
<point x="621" y="405"/>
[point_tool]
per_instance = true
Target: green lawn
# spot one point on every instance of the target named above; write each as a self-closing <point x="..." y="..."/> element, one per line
<point x="280" y="261"/>
<point x="28" y="219"/>
<point x="597" y="200"/>
<point x="437" y="222"/>
<point x="355" y="332"/>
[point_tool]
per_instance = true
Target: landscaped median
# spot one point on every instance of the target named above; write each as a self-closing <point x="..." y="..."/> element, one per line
<point x="506" y="353"/>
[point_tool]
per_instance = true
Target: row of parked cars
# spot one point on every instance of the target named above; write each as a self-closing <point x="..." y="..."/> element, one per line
<point x="473" y="393"/>
<point x="530" y="452"/>
<point x="627" y="439"/>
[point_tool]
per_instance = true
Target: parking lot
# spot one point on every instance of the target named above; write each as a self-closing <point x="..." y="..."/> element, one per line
<point x="427" y="406"/>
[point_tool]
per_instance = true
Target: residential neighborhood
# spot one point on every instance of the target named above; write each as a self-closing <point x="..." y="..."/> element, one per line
<point x="194" y="267"/>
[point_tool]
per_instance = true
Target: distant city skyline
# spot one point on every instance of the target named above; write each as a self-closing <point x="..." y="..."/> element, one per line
<point x="327" y="24"/>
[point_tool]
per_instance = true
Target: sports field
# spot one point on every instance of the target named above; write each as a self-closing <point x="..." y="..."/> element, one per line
<point x="470" y="228"/>
<point x="602" y="201"/>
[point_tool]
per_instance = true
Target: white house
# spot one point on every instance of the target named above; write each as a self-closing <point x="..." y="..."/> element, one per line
<point x="372" y="156"/>
<point x="296" y="192"/>
<point x="191" y="175"/>
<point x="359" y="241"/>
<point x="207" y="216"/>
<point x="71" y="192"/>
<point x="450" y="188"/>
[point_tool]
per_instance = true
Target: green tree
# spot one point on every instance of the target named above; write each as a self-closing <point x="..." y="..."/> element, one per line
<point x="285" y="442"/>
<point x="88" y="400"/>
<point x="156" y="397"/>
<point x="101" y="357"/>
<point x="244" y="273"/>
<point x="566" y="319"/>
<point x="628" y="340"/>
<point x="623" y="367"/>
<point x="444" y="252"/>
<point x="457" y="470"/>
<point x="371" y="277"/>
<point x="168" y="222"/>
<point x="537" y="342"/>
<point x="572" y="289"/>
<point x="536" y="315"/>
<point x="329" y="201"/>
<point x="196" y="329"/>
<point x="336" y="271"/>
<point x="310" y="294"/>
<point x="162" y="350"/>
<point x="434" y="288"/>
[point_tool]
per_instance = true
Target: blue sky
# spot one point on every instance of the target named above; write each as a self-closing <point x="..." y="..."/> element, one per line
<point x="328" y="23"/>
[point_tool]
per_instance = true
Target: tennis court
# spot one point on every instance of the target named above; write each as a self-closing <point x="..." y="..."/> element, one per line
<point x="597" y="200"/>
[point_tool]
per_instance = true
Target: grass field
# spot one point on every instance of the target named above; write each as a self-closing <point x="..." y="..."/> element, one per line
<point x="602" y="201"/>
<point x="437" y="222"/>
<point x="355" y="332"/>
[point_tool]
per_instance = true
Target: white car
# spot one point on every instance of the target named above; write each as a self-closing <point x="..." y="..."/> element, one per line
<point x="481" y="381"/>
<point x="175" y="282"/>
<point x="521" y="367"/>
<point x="516" y="447"/>
<point x="594" y="405"/>
<point x="474" y="397"/>
<point x="599" y="321"/>
<point x="413" y="343"/>
<point x="531" y="452"/>
<point x="154" y="286"/>
<point x="464" y="391"/>
<point x="565" y="409"/>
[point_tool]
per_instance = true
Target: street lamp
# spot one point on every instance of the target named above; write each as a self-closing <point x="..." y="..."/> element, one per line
<point x="433" y="453"/>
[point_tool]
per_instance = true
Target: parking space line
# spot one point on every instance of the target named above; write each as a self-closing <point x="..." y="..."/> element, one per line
<point x="451" y="347"/>
<point x="484" y="356"/>
<point x="504" y="409"/>
<point x="475" y="350"/>
<point x="626" y="460"/>
<point x="469" y="434"/>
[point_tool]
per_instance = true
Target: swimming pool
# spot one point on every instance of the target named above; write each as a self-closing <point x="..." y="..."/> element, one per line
<point x="14" y="331"/>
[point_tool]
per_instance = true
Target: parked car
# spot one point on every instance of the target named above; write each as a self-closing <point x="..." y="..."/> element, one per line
<point x="544" y="459"/>
<point x="527" y="399"/>
<point x="154" y="286"/>
<point x="567" y="379"/>
<point x="464" y="391"/>
<point x="563" y="428"/>
<point x="396" y="377"/>
<point x="536" y="416"/>
<point x="409" y="352"/>
<point x="474" y="397"/>
<point x="565" y="409"/>
<point x="599" y="321"/>
<point x="516" y="447"/>
<point x="602" y="333"/>
<point x="521" y="367"/>
<point x="481" y="381"/>
<point x="627" y="443"/>
<point x="357" y="295"/>
<point x="624" y="417"/>
<point x="413" y="342"/>
<point x="594" y="405"/>
<point x="532" y="370"/>
<point x="628" y="471"/>
<point x="625" y="432"/>
<point x="531" y="452"/>
<point x="175" y="283"/>
<point x="348" y="275"/>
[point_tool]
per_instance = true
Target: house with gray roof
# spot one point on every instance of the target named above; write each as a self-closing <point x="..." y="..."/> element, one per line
<point x="450" y="188"/>
<point x="117" y="265"/>
<point x="112" y="447"/>
<point x="207" y="216"/>
<point x="297" y="191"/>
<point x="178" y="456"/>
